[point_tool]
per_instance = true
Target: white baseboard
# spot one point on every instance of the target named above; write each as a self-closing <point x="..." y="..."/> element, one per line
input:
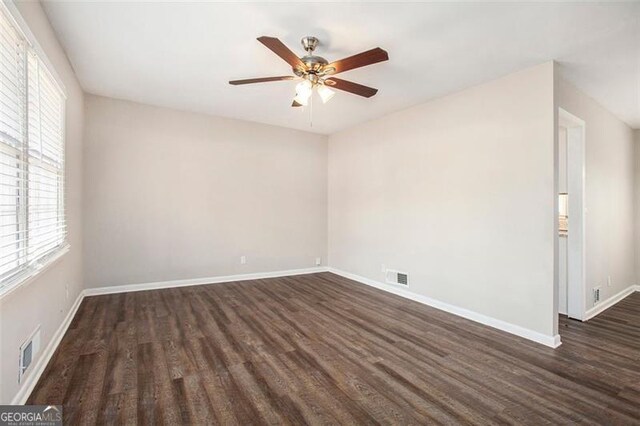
<point x="200" y="281"/>
<point x="551" y="341"/>
<point x="606" y="304"/>
<point x="43" y="360"/>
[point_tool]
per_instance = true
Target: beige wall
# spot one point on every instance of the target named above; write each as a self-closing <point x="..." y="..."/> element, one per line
<point x="459" y="193"/>
<point x="44" y="301"/>
<point x="609" y="194"/>
<point x="173" y="195"/>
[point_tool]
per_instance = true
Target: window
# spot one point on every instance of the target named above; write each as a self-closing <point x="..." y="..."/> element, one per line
<point x="32" y="221"/>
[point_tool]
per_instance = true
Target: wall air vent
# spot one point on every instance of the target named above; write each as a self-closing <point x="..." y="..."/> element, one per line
<point x="396" y="277"/>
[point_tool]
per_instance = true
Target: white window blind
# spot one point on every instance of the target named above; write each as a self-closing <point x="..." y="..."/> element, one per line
<point x="32" y="220"/>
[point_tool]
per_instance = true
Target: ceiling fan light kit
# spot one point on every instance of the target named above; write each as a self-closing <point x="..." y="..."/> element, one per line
<point x="304" y="90"/>
<point x="316" y="72"/>
<point x="325" y="93"/>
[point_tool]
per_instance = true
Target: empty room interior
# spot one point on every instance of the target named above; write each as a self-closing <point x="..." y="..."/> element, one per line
<point x="319" y="213"/>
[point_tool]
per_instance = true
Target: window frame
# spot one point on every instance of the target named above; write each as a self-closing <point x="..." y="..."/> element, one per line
<point x="25" y="273"/>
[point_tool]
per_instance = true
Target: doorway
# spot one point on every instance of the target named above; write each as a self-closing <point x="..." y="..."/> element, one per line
<point x="571" y="215"/>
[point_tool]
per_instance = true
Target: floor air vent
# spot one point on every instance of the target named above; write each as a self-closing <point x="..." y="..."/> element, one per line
<point x="397" y="277"/>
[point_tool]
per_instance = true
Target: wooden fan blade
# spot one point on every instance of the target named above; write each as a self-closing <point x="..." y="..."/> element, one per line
<point x="261" y="80"/>
<point x="283" y="51"/>
<point x="296" y="104"/>
<point x="351" y="87"/>
<point x="363" y="59"/>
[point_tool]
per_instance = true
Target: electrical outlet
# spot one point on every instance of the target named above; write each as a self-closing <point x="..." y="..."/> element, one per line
<point x="383" y="268"/>
<point x="243" y="260"/>
<point x="609" y="281"/>
<point x="596" y="295"/>
<point x="66" y="289"/>
<point x="318" y="261"/>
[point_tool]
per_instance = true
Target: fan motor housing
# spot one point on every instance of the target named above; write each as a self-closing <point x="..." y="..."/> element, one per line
<point x="314" y="64"/>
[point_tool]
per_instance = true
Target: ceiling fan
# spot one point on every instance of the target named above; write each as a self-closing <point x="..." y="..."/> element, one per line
<point x="316" y="72"/>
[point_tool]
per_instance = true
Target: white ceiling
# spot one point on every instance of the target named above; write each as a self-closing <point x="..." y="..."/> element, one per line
<point x="181" y="55"/>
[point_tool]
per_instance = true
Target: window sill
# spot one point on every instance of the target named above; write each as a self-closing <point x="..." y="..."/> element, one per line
<point x="29" y="276"/>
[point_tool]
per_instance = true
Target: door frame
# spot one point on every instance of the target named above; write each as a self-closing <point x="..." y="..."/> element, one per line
<point x="576" y="240"/>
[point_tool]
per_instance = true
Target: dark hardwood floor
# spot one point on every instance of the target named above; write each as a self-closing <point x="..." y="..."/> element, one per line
<point x="323" y="349"/>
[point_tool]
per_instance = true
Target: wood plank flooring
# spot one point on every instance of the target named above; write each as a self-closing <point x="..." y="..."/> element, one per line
<point x="321" y="349"/>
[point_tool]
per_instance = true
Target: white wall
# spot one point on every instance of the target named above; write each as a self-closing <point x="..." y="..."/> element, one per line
<point x="174" y="195"/>
<point x="44" y="301"/>
<point x="609" y="199"/>
<point x="458" y="192"/>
